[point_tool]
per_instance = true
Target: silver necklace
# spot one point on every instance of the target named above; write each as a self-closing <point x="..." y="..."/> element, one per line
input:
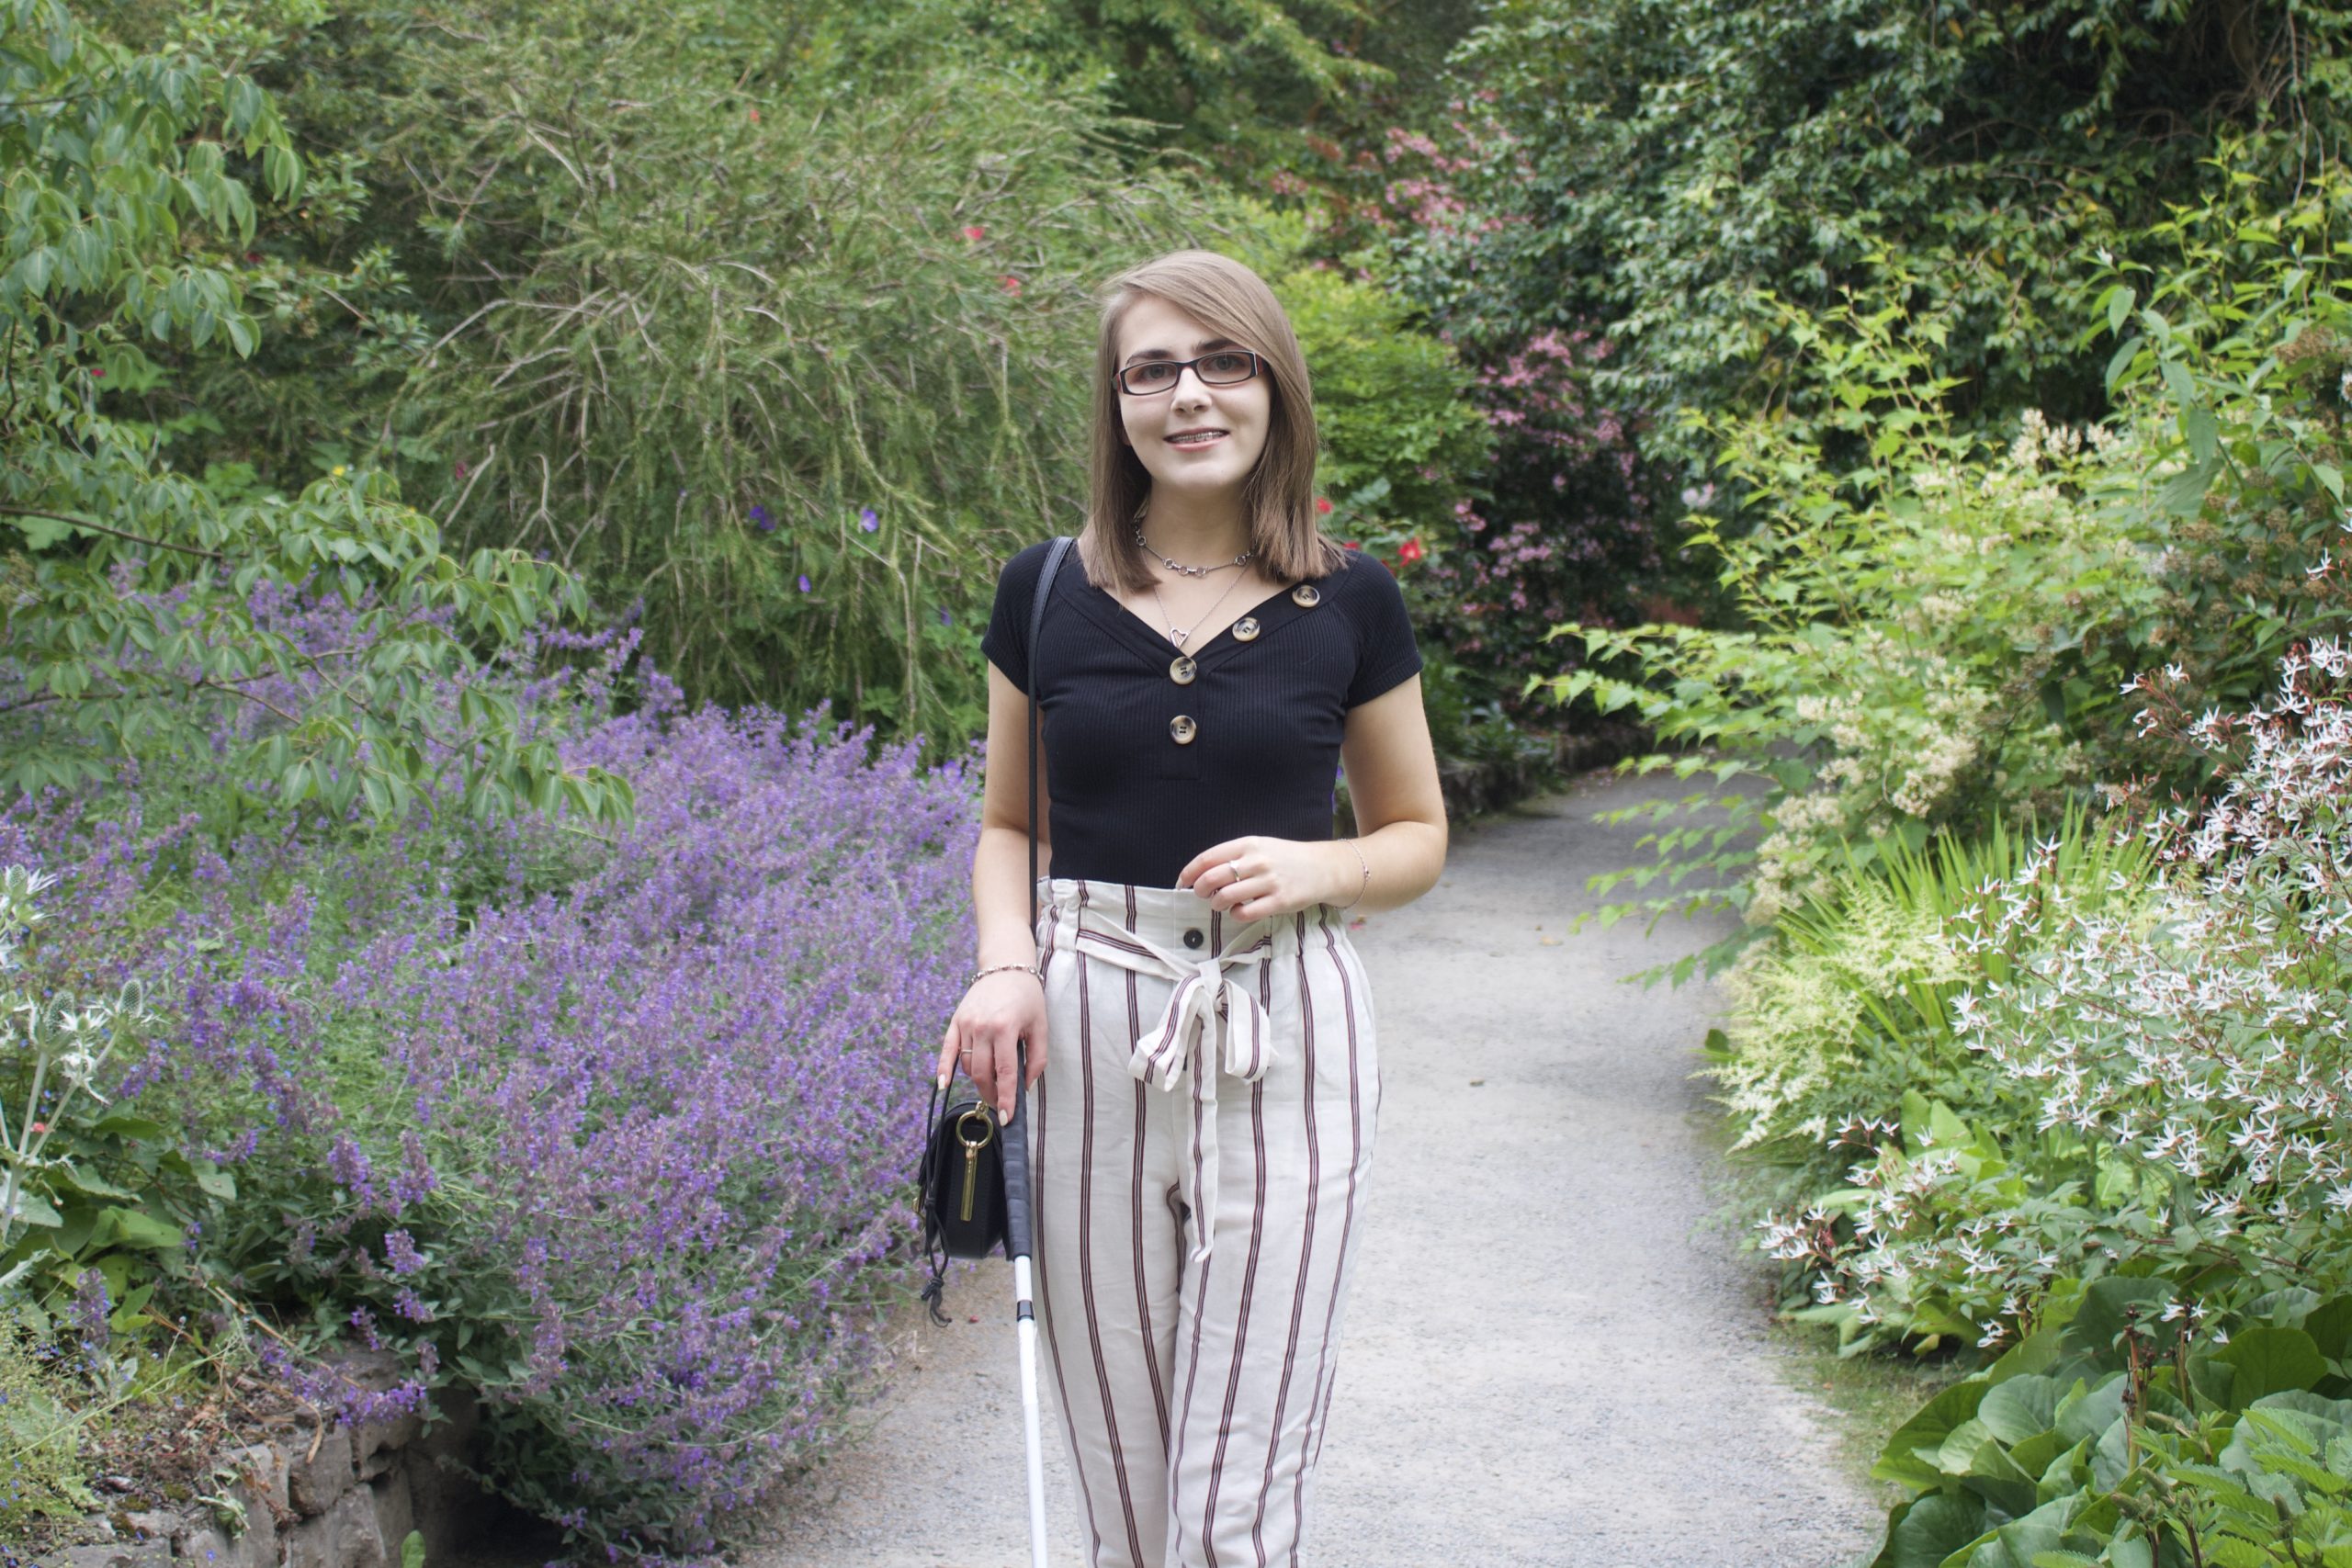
<point x="1180" y="567"/>
<point x="1180" y="636"/>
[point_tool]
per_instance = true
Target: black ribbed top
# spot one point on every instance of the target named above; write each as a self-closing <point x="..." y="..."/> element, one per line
<point x="1133" y="803"/>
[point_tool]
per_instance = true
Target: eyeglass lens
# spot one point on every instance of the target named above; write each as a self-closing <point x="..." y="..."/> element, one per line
<point x="1222" y="369"/>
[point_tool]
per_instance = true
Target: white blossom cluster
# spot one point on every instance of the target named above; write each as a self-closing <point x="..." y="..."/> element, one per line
<point x="2186" y="1070"/>
<point x="70" y="1040"/>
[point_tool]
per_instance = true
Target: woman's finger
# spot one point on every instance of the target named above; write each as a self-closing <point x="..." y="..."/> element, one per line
<point x="950" y="1045"/>
<point x="1008" y="1081"/>
<point x="979" y="1063"/>
<point x="1037" y="1054"/>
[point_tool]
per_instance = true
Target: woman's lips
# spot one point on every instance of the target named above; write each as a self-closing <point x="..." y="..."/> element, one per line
<point x="1206" y="440"/>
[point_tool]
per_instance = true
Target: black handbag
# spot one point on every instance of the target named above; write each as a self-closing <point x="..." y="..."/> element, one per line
<point x="961" y="1182"/>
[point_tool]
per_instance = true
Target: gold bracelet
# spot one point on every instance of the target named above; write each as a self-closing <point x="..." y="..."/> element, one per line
<point x="1367" y="875"/>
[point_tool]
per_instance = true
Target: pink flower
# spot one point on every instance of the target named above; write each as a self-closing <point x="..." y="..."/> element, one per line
<point x="755" y="117"/>
<point x="1012" y="284"/>
<point x="1323" y="504"/>
<point x="1410" y="550"/>
<point x="975" y="232"/>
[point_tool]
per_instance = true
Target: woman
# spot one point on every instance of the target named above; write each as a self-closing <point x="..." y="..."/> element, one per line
<point x="1202" y="1121"/>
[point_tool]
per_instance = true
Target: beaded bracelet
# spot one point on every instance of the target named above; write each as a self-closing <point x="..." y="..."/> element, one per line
<point x="978" y="975"/>
<point x="1367" y="875"/>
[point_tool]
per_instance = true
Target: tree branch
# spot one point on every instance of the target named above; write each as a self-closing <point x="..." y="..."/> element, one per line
<point x="102" y="529"/>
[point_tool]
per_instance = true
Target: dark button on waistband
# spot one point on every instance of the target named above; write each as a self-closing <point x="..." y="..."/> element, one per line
<point x="1192" y="937"/>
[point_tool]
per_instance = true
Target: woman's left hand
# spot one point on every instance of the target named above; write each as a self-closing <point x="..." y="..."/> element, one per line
<point x="1255" y="876"/>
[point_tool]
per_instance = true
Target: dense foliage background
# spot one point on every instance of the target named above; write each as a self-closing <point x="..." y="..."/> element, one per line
<point x="497" y="504"/>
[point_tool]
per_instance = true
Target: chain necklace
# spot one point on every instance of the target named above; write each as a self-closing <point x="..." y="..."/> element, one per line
<point x="1180" y="636"/>
<point x="1180" y="566"/>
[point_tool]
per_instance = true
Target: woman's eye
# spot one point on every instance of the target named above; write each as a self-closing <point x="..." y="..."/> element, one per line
<point x="1224" y="364"/>
<point x="1152" y="372"/>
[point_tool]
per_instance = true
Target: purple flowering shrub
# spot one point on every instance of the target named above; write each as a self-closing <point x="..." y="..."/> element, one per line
<point x="683" y="1096"/>
<point x="614" y="1125"/>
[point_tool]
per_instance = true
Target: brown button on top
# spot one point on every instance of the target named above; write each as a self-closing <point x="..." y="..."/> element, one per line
<point x="1182" y="728"/>
<point x="1181" y="671"/>
<point x="1306" y="595"/>
<point x="1245" y="628"/>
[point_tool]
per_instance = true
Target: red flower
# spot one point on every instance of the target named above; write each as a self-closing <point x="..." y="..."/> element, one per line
<point x="975" y="232"/>
<point x="755" y="117"/>
<point x="1410" y="550"/>
<point x="98" y="373"/>
<point x="1012" y="284"/>
<point x="41" y="1126"/>
<point x="1323" y="504"/>
<point x="1354" y="543"/>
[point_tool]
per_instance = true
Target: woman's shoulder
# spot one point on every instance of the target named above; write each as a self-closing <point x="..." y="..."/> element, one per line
<point x="1019" y="574"/>
<point x="1360" y="579"/>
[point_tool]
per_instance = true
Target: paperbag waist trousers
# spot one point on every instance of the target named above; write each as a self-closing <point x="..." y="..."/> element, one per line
<point x="1201" y="1137"/>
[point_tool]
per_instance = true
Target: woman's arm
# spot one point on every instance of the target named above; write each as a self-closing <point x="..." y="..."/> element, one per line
<point x="1000" y="1009"/>
<point x="1400" y="810"/>
<point x="1400" y="827"/>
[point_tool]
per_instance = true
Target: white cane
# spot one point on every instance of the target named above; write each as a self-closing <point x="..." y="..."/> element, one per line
<point x="1025" y="1317"/>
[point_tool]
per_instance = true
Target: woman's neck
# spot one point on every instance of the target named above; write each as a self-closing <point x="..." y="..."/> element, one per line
<point x="1198" y="533"/>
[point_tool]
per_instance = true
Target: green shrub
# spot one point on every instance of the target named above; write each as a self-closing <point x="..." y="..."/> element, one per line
<point x="40" y="1467"/>
<point x="2119" y="1433"/>
<point x="1936" y="629"/>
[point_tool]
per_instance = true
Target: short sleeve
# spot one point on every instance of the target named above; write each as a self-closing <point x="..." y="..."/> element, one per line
<point x="1006" y="642"/>
<point x="1387" y="654"/>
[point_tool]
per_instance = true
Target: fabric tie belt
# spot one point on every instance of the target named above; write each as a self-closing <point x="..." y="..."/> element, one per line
<point x="1211" y="1025"/>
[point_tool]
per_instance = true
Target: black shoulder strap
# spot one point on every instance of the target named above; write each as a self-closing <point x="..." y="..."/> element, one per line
<point x="1054" y="557"/>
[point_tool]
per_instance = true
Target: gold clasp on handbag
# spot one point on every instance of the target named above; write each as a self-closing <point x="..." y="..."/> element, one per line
<point x="972" y="1147"/>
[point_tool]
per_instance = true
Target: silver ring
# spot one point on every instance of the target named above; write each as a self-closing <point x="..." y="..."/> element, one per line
<point x="1235" y="868"/>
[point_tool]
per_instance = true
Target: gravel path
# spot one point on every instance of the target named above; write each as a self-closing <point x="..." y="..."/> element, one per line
<point x="1546" y="1363"/>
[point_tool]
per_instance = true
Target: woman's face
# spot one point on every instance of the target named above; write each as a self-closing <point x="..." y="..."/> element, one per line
<point x="1154" y="329"/>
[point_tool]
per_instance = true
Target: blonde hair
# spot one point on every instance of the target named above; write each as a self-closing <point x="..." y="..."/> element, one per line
<point x="1234" y="302"/>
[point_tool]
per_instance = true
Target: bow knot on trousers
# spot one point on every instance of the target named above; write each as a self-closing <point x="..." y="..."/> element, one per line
<point x="1201" y="1137"/>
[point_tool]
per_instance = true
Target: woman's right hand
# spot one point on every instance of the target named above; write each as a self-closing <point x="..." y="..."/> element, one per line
<point x="997" y="1011"/>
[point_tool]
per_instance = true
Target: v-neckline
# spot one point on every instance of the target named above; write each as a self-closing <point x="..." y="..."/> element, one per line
<point x="1166" y="644"/>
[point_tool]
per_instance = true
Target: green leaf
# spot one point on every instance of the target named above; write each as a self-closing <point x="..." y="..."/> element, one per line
<point x="2202" y="431"/>
<point x="2271" y="1360"/>
<point x="2184" y="496"/>
<point x="1927" y="1530"/>
<point x="33" y="1208"/>
<point x="130" y="1227"/>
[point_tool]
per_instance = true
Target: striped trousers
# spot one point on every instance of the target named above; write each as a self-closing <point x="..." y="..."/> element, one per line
<point x="1201" y="1137"/>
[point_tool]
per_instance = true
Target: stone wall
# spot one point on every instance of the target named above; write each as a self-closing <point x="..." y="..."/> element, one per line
<point x="341" y="1497"/>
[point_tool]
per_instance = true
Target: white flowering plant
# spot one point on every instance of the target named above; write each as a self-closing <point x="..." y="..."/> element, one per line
<point x="2177" y="1075"/>
<point x="1850" y="1007"/>
<point x="78" y="1177"/>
